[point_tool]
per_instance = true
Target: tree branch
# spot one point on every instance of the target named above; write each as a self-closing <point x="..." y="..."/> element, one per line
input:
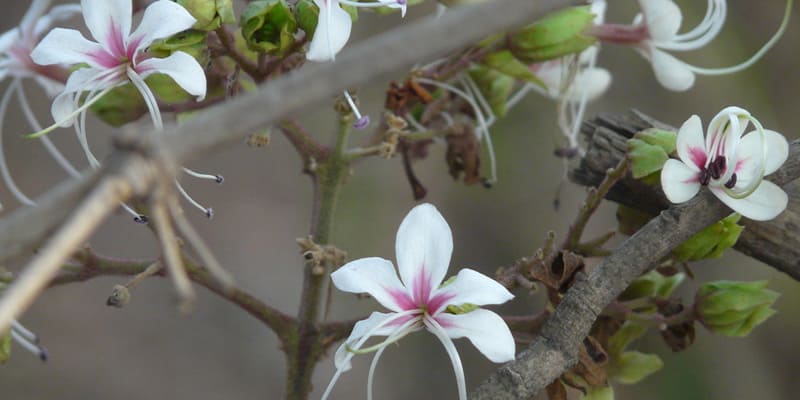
<point x="235" y="119"/>
<point x="556" y="348"/>
<point x="773" y="242"/>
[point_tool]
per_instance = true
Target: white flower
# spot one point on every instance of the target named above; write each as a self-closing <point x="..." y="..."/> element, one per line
<point x="418" y="299"/>
<point x="732" y="166"/>
<point x="655" y="32"/>
<point x="334" y="25"/>
<point x="118" y="56"/>
<point x="15" y="63"/>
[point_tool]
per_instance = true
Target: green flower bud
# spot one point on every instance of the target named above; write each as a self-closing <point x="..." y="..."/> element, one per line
<point x="307" y="14"/>
<point x="712" y="241"/>
<point x="649" y="150"/>
<point x="495" y="87"/>
<point x="632" y="366"/>
<point x="210" y="14"/>
<point x="734" y="308"/>
<point x="268" y="26"/>
<point x="120" y="106"/>
<point x="556" y="35"/>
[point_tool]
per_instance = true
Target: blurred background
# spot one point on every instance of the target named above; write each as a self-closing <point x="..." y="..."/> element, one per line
<point x="149" y="350"/>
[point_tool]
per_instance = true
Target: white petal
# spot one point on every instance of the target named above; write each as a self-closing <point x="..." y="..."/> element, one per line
<point x="330" y="35"/>
<point x="663" y="18"/>
<point x="598" y="8"/>
<point x="34" y="13"/>
<point x="764" y="204"/>
<point x="471" y="287"/>
<point x="68" y="46"/>
<point x="671" y="72"/>
<point x="749" y="154"/>
<point x="377" y="324"/>
<point x="679" y="182"/>
<point x="375" y="276"/>
<point x="181" y="67"/>
<point x="58" y="13"/>
<point x="110" y="22"/>
<point x="591" y="82"/>
<point x="161" y="19"/>
<point x="424" y="245"/>
<point x="691" y="145"/>
<point x="81" y="80"/>
<point x="7" y="39"/>
<point x="485" y="329"/>
<point x="63" y="105"/>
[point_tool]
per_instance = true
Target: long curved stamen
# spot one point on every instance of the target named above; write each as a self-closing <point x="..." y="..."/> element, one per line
<point x="27" y="334"/>
<point x="12" y="186"/>
<point x="484" y="128"/>
<point x="149" y="98"/>
<point x="404" y="330"/>
<point x="80" y="131"/>
<point x="755" y="57"/>
<point x="199" y="175"/>
<point x="85" y="106"/>
<point x="208" y="211"/>
<point x="51" y="148"/>
<point x="389" y="340"/>
<point x="361" y="342"/>
<point x="703" y="33"/>
<point x="458" y="368"/>
<point x="34" y="348"/>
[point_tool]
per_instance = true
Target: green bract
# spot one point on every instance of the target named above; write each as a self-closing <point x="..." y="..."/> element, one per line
<point x="495" y="86"/>
<point x="712" y="241"/>
<point x="192" y="42"/>
<point x="734" y="308"/>
<point x="632" y="366"/>
<point x="268" y="26"/>
<point x="210" y="14"/>
<point x="648" y="150"/>
<point x="652" y="284"/>
<point x="307" y="14"/>
<point x="556" y="35"/>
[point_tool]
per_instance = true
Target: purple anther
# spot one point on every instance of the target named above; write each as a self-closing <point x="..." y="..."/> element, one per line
<point x="141" y="219"/>
<point x="362" y="122"/>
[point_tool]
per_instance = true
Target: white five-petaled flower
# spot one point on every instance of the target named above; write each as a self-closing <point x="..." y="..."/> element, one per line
<point x="119" y="56"/>
<point x="16" y="46"/>
<point x="731" y="165"/>
<point x="419" y="300"/>
<point x="334" y="25"/>
<point x="654" y="32"/>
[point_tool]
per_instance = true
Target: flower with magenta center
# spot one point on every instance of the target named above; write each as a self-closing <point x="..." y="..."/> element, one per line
<point x="419" y="300"/>
<point x="731" y="165"/>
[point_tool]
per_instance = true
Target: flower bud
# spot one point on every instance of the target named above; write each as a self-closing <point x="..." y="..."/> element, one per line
<point x="734" y="308"/>
<point x="268" y="26"/>
<point x="210" y="14"/>
<point x="712" y="241"/>
<point x="556" y="35"/>
<point x="120" y="106"/>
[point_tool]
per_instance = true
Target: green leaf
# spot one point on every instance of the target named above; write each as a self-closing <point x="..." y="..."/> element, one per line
<point x="712" y="241"/>
<point x="633" y="366"/>
<point x="496" y="87"/>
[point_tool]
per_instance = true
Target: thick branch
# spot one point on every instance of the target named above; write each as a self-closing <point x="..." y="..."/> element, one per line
<point x="773" y="242"/>
<point x="556" y="348"/>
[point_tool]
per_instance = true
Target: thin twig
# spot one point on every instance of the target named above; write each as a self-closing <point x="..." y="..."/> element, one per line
<point x="172" y="254"/>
